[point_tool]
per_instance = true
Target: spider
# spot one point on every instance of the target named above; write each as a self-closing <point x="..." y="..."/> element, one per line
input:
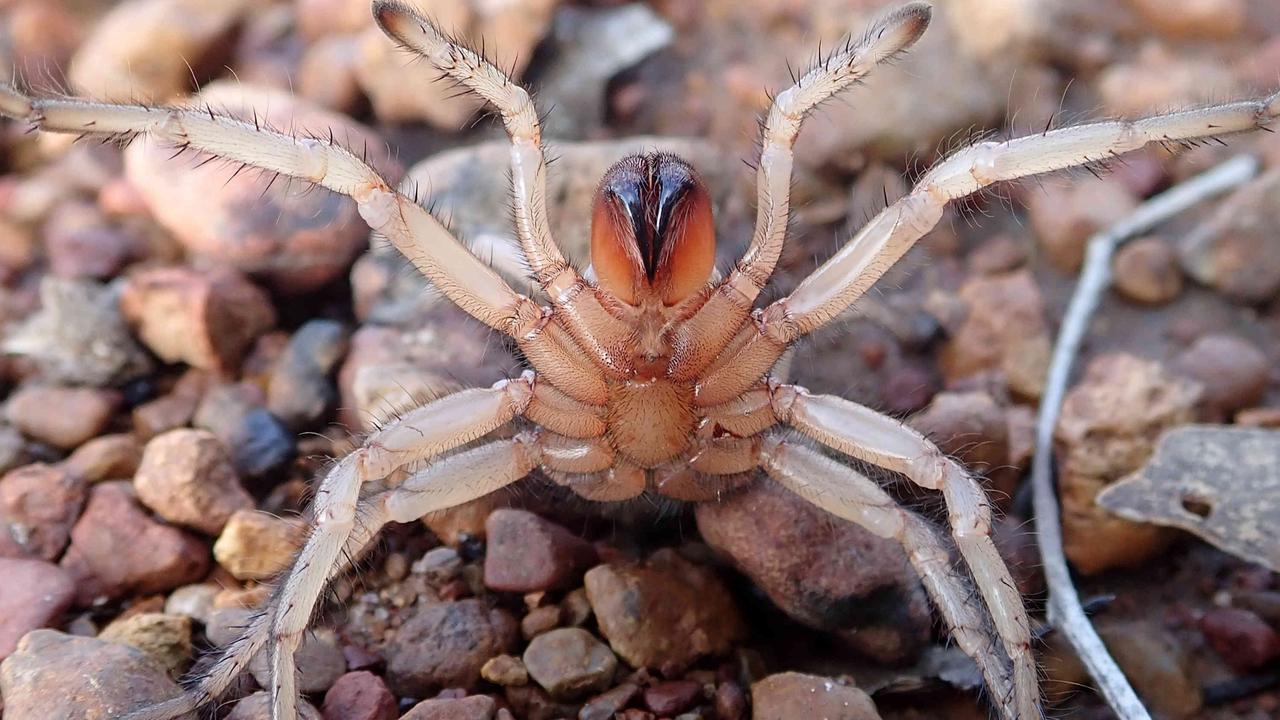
<point x="655" y="376"/>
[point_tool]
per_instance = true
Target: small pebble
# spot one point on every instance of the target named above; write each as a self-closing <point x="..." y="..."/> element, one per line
<point x="445" y="645"/>
<point x="1232" y="372"/>
<point x="300" y="388"/>
<point x="34" y="594"/>
<point x="730" y="701"/>
<point x="570" y="663"/>
<point x="258" y="442"/>
<point x="117" y="548"/>
<point x="186" y="477"/>
<point x="165" y="638"/>
<point x="359" y="696"/>
<point x="193" y="601"/>
<point x="505" y="670"/>
<point x="39" y="504"/>
<point x="108" y="457"/>
<point x="539" y="621"/>
<point x="605" y="705"/>
<point x="527" y="553"/>
<point x="61" y="416"/>
<point x="1146" y="270"/>
<point x="1244" y="640"/>
<point x="476" y="707"/>
<point x="790" y="695"/>
<point x="672" y="696"/>
<point x="256" y="545"/>
<point x="206" y="319"/>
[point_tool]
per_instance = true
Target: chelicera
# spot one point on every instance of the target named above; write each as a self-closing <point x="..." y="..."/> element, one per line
<point x="653" y="375"/>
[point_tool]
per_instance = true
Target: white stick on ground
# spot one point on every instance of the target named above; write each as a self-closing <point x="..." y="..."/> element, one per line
<point x="1065" y="613"/>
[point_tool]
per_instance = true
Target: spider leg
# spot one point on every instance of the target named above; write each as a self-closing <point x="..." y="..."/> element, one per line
<point x="341" y="523"/>
<point x="855" y="267"/>
<point x="528" y="165"/>
<point x="847" y="494"/>
<point x="843" y="278"/>
<point x="889" y="37"/>
<point x="459" y="274"/>
<point x="880" y="440"/>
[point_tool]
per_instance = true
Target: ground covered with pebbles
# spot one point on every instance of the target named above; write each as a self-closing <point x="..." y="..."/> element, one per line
<point x="186" y="346"/>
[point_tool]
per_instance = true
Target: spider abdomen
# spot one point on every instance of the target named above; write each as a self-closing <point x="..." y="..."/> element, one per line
<point x="650" y="421"/>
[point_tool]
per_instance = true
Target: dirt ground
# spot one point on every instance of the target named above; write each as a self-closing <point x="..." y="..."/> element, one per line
<point x="187" y="345"/>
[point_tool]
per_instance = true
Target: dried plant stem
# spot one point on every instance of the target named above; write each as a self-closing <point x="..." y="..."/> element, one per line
<point x="1064" y="612"/>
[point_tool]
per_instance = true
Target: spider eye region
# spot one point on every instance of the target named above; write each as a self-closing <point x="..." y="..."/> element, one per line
<point x="652" y="232"/>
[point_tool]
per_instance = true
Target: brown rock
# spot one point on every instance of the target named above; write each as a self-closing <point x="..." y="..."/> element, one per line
<point x="1231" y="371"/>
<point x="1002" y="329"/>
<point x="972" y="428"/>
<point x="110" y="457"/>
<point x="116" y="548"/>
<point x="1237" y="249"/>
<point x="258" y="707"/>
<point x="186" y="477"/>
<point x="526" y="553"/>
<point x="1157" y="665"/>
<point x="665" y="613"/>
<point x="510" y="30"/>
<point x="445" y="645"/>
<point x="52" y="675"/>
<point x="1107" y="429"/>
<point x="165" y="638"/>
<point x="1244" y="640"/>
<point x="81" y="243"/>
<point x="673" y="696"/>
<point x="789" y="695"/>
<point x="34" y="593"/>
<point x="540" y="620"/>
<point x="1146" y="270"/>
<point x="570" y="663"/>
<point x="205" y="319"/>
<point x="149" y="50"/>
<point x="294" y="241"/>
<point x="1181" y="19"/>
<point x="61" y="416"/>
<point x="317" y="18"/>
<point x="257" y="545"/>
<point x="38" y="506"/>
<point x="1068" y="211"/>
<point x="821" y="570"/>
<point x="604" y="705"/>
<point x="476" y="707"/>
<point x="327" y="73"/>
<point x="1158" y="78"/>
<point x="359" y="696"/>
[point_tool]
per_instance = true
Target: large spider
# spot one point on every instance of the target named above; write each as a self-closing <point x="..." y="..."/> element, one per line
<point x="654" y="377"/>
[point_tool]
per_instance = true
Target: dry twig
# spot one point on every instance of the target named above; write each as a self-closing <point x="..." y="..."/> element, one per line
<point x="1064" y="612"/>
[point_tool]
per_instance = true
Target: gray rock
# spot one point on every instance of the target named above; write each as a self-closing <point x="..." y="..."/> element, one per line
<point x="570" y="663"/>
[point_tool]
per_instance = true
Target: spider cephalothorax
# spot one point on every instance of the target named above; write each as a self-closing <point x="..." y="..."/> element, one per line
<point x="656" y="376"/>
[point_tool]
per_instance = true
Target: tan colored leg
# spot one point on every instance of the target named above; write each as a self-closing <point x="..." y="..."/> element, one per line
<point x="528" y="166"/>
<point x="871" y="437"/>
<point x="418" y="436"/>
<point x="712" y="326"/>
<point x="855" y="267"/>
<point x="459" y="274"/>
<point x="847" y="494"/>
